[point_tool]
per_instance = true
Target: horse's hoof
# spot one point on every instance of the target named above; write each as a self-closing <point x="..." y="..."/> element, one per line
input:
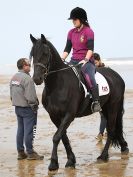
<point x="70" y="164"/>
<point x="125" y="151"/>
<point x="103" y="158"/>
<point x="53" y="166"/>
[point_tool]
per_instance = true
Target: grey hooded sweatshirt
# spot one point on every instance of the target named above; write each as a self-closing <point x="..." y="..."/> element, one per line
<point x="22" y="91"/>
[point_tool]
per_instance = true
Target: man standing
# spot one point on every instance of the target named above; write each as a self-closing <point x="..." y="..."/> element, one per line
<point x="24" y="98"/>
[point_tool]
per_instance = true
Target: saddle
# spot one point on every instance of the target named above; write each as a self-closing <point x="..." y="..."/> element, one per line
<point x="100" y="80"/>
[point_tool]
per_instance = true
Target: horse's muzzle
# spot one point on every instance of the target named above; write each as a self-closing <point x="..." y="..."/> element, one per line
<point x="38" y="80"/>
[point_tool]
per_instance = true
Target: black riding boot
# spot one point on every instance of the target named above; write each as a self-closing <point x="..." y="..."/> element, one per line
<point x="95" y="107"/>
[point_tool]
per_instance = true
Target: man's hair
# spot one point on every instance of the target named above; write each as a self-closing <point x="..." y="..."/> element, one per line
<point x="21" y="62"/>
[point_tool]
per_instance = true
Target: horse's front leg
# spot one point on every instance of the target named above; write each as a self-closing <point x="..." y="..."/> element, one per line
<point x="70" y="155"/>
<point x="56" y="139"/>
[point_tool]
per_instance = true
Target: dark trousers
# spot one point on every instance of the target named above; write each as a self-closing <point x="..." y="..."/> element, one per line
<point x="27" y="121"/>
<point x="88" y="71"/>
<point x="102" y="124"/>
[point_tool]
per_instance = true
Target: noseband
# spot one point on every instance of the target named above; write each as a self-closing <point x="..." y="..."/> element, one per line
<point x="42" y="65"/>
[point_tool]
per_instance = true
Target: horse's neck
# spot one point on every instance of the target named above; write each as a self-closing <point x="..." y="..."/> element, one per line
<point x="55" y="64"/>
<point x="55" y="60"/>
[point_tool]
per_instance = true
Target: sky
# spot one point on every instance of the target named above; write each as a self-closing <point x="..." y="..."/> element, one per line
<point x="111" y="21"/>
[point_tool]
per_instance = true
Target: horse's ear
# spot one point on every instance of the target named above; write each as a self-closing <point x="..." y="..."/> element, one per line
<point x="43" y="39"/>
<point x="33" y="39"/>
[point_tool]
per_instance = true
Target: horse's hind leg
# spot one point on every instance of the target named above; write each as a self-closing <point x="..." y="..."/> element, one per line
<point x="70" y="155"/>
<point x="104" y="155"/>
<point x="111" y="114"/>
<point x="124" y="146"/>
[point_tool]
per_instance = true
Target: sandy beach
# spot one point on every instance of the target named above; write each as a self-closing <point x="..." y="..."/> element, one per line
<point x="82" y="134"/>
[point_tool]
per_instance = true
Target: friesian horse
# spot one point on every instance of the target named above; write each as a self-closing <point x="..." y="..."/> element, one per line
<point x="64" y="99"/>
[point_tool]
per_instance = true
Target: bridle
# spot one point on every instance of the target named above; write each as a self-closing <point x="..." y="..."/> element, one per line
<point x="43" y="66"/>
<point x="46" y="67"/>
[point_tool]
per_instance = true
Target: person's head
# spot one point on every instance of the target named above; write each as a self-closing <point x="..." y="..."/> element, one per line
<point x="97" y="59"/>
<point x="24" y="64"/>
<point x="79" y="17"/>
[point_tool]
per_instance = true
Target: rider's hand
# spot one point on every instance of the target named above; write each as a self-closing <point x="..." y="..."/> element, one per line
<point x="63" y="59"/>
<point x="83" y="62"/>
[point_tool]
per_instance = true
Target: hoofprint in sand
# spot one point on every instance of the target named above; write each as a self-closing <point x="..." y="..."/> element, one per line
<point x="82" y="136"/>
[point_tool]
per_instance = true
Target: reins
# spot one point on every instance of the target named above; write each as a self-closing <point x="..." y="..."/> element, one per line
<point x="58" y="70"/>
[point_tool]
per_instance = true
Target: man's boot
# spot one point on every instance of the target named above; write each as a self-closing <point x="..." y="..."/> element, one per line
<point x="34" y="156"/>
<point x="95" y="107"/>
<point x="21" y="155"/>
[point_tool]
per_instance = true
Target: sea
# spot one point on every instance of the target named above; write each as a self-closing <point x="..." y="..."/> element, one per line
<point x="124" y="66"/>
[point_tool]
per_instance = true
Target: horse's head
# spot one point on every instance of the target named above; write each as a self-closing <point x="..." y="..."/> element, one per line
<point x="41" y="56"/>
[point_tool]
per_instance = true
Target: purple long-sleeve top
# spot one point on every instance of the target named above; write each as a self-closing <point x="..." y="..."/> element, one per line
<point x="80" y="41"/>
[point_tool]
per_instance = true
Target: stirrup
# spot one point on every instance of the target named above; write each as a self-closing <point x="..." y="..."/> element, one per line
<point x="95" y="106"/>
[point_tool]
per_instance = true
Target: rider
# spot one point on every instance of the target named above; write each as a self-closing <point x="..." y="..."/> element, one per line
<point x="81" y="39"/>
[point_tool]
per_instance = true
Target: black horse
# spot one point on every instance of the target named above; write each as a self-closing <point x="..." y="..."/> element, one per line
<point x="64" y="99"/>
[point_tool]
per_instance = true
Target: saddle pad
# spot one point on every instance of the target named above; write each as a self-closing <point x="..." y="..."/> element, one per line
<point x="100" y="80"/>
<point x="102" y="84"/>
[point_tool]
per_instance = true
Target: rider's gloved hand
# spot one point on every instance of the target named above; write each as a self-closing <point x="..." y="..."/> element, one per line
<point x="63" y="59"/>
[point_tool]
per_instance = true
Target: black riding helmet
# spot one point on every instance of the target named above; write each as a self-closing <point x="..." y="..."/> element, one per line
<point x="78" y="13"/>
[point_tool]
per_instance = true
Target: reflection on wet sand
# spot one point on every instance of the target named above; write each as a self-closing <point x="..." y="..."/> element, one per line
<point x="28" y="168"/>
<point x="113" y="168"/>
<point x="68" y="172"/>
<point x="82" y="134"/>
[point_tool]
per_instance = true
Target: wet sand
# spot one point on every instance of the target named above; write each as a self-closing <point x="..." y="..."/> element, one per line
<point x="82" y="134"/>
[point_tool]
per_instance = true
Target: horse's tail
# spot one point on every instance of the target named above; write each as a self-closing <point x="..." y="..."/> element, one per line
<point x="119" y="124"/>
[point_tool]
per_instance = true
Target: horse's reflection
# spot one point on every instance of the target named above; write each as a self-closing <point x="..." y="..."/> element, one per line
<point x="70" y="172"/>
<point x="114" y="167"/>
<point x="67" y="172"/>
<point x="31" y="169"/>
